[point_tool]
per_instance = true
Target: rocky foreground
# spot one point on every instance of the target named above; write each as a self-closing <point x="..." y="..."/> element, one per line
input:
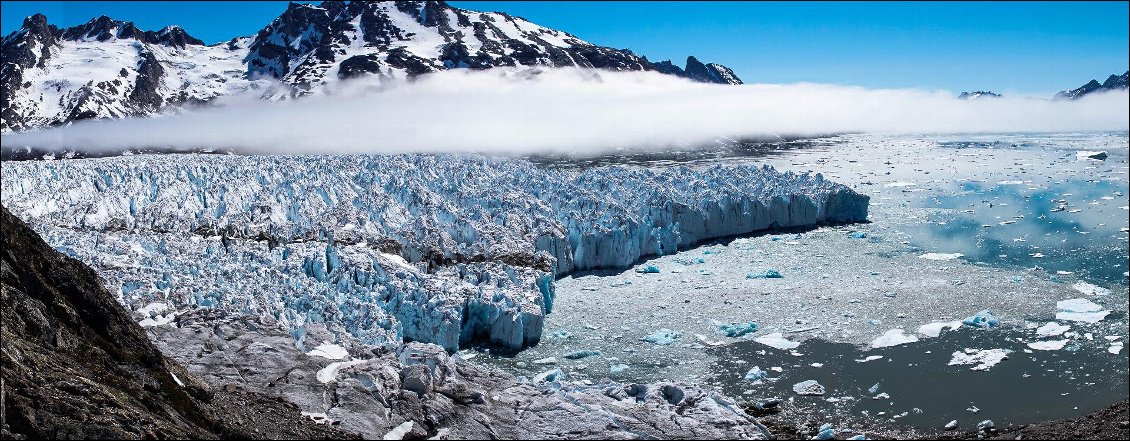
<point x="77" y="366"/>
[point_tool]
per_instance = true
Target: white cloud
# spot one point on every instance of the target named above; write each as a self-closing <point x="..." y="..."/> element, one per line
<point x="570" y="111"/>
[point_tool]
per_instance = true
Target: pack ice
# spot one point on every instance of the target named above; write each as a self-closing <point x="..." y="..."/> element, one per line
<point x="445" y="249"/>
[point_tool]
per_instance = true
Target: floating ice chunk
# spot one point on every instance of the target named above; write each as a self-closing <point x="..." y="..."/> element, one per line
<point x="1051" y="328"/>
<point x="900" y="184"/>
<point x="1088" y="154"/>
<point x="769" y="274"/>
<point x="330" y="351"/>
<point x="756" y="374"/>
<point x="662" y="337"/>
<point x="808" y="387"/>
<point x="873" y="389"/>
<point x="329" y="373"/>
<point x="705" y="341"/>
<point x="777" y="340"/>
<point x="577" y="355"/>
<point x="985" y="426"/>
<point x="973" y="409"/>
<point x="940" y="256"/>
<point x="650" y="269"/>
<point x="617" y="368"/>
<point x="825" y="433"/>
<point x="893" y="337"/>
<point x="869" y="358"/>
<point x="882" y="396"/>
<point x="983" y="319"/>
<point x="549" y="376"/>
<point x="859" y="235"/>
<point x="398" y="432"/>
<point x="547" y="360"/>
<point x="1050" y="345"/>
<point x="1115" y="347"/>
<point x="737" y="329"/>
<point x="561" y="334"/>
<point x="982" y="359"/>
<point x="1090" y="290"/>
<point x="935" y="329"/>
<point x="1079" y="310"/>
<point x="951" y="425"/>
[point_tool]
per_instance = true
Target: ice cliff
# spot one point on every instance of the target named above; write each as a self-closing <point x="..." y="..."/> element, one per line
<point x="446" y="249"/>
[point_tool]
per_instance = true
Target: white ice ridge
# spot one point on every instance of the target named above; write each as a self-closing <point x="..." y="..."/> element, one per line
<point x="445" y="249"/>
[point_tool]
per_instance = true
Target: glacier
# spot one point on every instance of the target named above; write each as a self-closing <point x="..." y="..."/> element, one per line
<point x="447" y="249"/>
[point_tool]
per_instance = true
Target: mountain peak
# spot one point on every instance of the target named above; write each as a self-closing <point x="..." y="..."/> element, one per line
<point x="1113" y="82"/>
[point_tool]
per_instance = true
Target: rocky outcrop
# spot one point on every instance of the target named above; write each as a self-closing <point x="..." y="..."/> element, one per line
<point x="420" y="391"/>
<point x="76" y="365"/>
<point x="1113" y="82"/>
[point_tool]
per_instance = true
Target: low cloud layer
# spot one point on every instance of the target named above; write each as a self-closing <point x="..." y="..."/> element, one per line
<point x="569" y="111"/>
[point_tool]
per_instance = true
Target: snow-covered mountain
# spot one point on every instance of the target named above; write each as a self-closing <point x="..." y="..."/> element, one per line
<point x="109" y="68"/>
<point x="978" y="94"/>
<point x="1113" y="82"/>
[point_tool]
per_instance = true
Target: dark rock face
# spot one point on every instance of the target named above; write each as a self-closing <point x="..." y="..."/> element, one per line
<point x="1113" y="82"/>
<point x="75" y="365"/>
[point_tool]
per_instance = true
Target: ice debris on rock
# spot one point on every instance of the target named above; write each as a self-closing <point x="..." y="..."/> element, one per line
<point x="808" y="387"/>
<point x="549" y="376"/>
<point x="1080" y="310"/>
<point x="983" y="319"/>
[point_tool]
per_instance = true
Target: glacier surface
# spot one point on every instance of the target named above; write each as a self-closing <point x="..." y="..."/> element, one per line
<point x="445" y="249"/>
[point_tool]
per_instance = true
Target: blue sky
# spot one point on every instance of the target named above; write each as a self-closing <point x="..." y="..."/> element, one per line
<point x="1025" y="48"/>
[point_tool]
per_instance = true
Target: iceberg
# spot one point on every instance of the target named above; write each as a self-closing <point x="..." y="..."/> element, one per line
<point x="1080" y="310"/>
<point x="808" y="387"/>
<point x="983" y="319"/>
<point x="737" y="329"/>
<point x="756" y="374"/>
<point x="663" y="337"/>
<point x="935" y="329"/>
<point x="1050" y="345"/>
<point x="1051" y="329"/>
<point x="777" y="340"/>
<point x="940" y="256"/>
<point x="981" y="359"/>
<point x="893" y="337"/>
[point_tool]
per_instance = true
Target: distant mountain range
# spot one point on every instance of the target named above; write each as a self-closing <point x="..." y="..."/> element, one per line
<point x="1113" y="82"/>
<point x="109" y="68"/>
<point x="978" y="94"/>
